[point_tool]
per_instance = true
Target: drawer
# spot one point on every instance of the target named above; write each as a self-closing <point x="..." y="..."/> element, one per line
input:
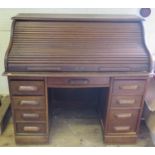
<point x="78" y="81"/>
<point x="122" y="121"/>
<point x="38" y="128"/>
<point x="30" y="115"/>
<point x="126" y="101"/>
<point x="28" y="102"/>
<point x="27" y="87"/>
<point x="133" y="87"/>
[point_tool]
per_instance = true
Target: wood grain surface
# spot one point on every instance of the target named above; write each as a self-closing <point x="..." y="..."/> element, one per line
<point x="112" y="45"/>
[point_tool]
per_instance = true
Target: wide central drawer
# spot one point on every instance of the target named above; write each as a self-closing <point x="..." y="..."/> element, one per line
<point x="78" y="81"/>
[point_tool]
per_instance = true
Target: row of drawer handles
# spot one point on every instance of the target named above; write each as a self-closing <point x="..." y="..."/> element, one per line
<point x="35" y="115"/>
<point x="36" y="129"/>
<point x="34" y="102"/>
<point x="28" y="102"/>
<point x="76" y="81"/>
<point x="27" y="88"/>
<point x="129" y="87"/>
<point x="71" y="81"/>
<point x="126" y="101"/>
<point x="124" y="115"/>
<point x="31" y="128"/>
<point x="30" y="115"/>
<point x="122" y="128"/>
<point x="123" y="102"/>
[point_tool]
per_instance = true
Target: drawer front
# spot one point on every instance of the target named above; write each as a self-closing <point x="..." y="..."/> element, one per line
<point x="27" y="87"/>
<point x="30" y="102"/>
<point x="33" y="128"/>
<point x="78" y="81"/>
<point x="126" y="101"/>
<point x="122" y="121"/>
<point x="133" y="87"/>
<point x="29" y="115"/>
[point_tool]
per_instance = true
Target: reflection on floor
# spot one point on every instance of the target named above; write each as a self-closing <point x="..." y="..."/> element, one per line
<point x="75" y="128"/>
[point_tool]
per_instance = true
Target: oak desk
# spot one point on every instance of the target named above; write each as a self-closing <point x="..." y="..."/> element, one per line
<point x="77" y="51"/>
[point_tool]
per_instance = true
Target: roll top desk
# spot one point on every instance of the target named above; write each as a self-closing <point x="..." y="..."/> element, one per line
<point x="77" y="51"/>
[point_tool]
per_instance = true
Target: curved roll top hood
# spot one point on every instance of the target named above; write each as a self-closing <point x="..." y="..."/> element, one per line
<point x="77" y="43"/>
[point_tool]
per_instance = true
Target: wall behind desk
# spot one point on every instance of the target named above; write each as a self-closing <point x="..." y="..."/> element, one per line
<point x="5" y="26"/>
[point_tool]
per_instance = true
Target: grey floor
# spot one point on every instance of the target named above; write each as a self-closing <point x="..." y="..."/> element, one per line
<point x="79" y="128"/>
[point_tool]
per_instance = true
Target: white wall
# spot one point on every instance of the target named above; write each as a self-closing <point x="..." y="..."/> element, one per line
<point x="5" y="24"/>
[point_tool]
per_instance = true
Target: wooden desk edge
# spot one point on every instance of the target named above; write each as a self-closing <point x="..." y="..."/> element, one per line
<point x="76" y="74"/>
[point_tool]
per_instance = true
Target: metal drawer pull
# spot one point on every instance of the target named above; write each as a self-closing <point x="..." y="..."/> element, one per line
<point x="124" y="115"/>
<point x="31" y="102"/>
<point x="129" y="87"/>
<point x="122" y="128"/>
<point x="31" y="128"/>
<point x="78" y="81"/>
<point x="126" y="101"/>
<point x="27" y="88"/>
<point x="30" y="115"/>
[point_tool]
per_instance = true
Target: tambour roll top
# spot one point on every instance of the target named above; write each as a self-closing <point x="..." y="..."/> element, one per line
<point x="77" y="43"/>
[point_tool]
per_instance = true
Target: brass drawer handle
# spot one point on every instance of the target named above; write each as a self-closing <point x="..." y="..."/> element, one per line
<point x="27" y="88"/>
<point x="124" y="115"/>
<point x="30" y="115"/>
<point x="29" y="102"/>
<point x="129" y="87"/>
<point x="31" y="128"/>
<point x="78" y="81"/>
<point x="122" y="128"/>
<point x="126" y="101"/>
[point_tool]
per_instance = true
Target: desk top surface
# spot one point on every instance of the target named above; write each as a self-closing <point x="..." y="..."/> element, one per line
<point x="77" y="17"/>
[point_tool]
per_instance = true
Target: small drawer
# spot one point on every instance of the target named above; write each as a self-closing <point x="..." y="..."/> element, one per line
<point x="38" y="128"/>
<point x="126" y="101"/>
<point x="78" y="81"/>
<point x="132" y="87"/>
<point x="27" y="87"/>
<point x="28" y="102"/>
<point x="29" y="115"/>
<point x="121" y="121"/>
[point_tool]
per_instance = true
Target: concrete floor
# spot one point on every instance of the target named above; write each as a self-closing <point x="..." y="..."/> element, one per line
<point x="77" y="128"/>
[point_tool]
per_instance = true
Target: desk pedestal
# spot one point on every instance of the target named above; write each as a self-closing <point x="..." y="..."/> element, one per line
<point x="121" y="114"/>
